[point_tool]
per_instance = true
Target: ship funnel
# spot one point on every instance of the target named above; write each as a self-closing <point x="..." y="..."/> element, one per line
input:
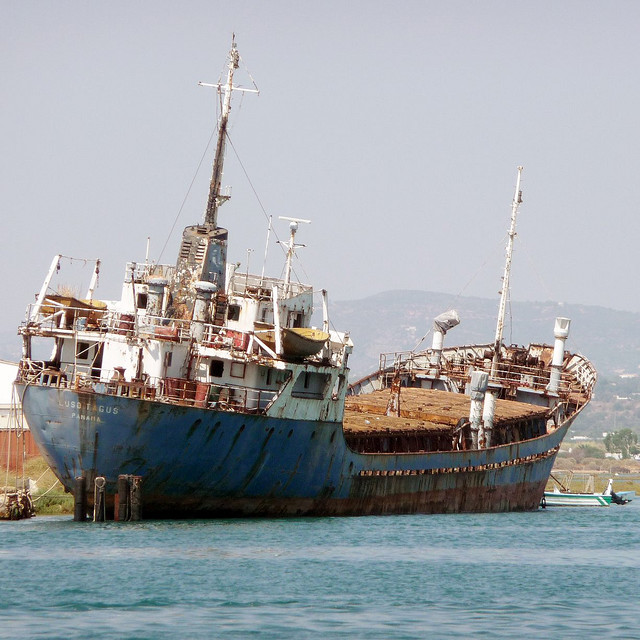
<point x="487" y="420"/>
<point x="441" y="325"/>
<point x="479" y="383"/>
<point x="155" y="295"/>
<point x="201" y="308"/>
<point x="560" y="333"/>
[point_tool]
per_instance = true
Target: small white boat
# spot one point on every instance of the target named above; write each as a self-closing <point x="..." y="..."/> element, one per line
<point x="557" y="498"/>
<point x="562" y="496"/>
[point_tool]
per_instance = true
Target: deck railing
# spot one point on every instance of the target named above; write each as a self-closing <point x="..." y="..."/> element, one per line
<point x="142" y="271"/>
<point x="99" y="322"/>
<point x="577" y="376"/>
<point x="169" y="390"/>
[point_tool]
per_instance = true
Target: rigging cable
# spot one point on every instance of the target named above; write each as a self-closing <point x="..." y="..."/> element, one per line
<point x="264" y="211"/>
<point x="173" y="226"/>
<point x="454" y="299"/>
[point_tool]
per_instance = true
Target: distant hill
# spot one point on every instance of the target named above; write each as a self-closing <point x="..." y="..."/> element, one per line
<point x="396" y="320"/>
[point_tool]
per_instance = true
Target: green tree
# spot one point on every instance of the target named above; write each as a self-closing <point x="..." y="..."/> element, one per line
<point x="623" y="442"/>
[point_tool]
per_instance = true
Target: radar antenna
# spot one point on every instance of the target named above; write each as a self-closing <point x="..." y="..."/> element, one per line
<point x="291" y="246"/>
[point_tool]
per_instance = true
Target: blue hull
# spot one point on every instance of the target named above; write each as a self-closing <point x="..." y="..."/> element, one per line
<point x="203" y="463"/>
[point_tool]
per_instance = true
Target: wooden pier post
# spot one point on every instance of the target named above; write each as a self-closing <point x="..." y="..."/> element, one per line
<point x="122" y="511"/>
<point x="99" y="502"/>
<point x="79" y="499"/>
<point x="136" y="497"/>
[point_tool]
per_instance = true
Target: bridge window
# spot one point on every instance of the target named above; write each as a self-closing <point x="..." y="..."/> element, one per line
<point x="310" y="384"/>
<point x="237" y="369"/>
<point x="216" y="368"/>
<point x="141" y="301"/>
<point x="83" y="351"/>
<point x="296" y="319"/>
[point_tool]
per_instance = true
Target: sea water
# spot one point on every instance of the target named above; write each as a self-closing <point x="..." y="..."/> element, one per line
<point x="554" y="573"/>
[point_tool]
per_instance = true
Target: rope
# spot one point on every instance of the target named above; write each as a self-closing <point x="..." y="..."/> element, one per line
<point x="510" y="317"/>
<point x="253" y="82"/>
<point x="255" y="86"/>
<point x="195" y="175"/>
<point x="72" y="290"/>
<point x="453" y="300"/>
<point x="255" y="193"/>
<point x="421" y="340"/>
<point x="532" y="264"/>
<point x="266" y="215"/>
<point x="14" y="425"/>
<point x="85" y="261"/>
<point x="42" y="495"/>
<point x="41" y="476"/>
<point x="11" y="421"/>
<point x="551" y="296"/>
<point x="474" y="276"/>
<point x="6" y="480"/>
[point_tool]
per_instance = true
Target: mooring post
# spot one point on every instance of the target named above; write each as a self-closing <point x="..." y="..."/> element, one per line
<point x="99" y="505"/>
<point x="122" y="510"/>
<point x="79" y="499"/>
<point x="136" y="497"/>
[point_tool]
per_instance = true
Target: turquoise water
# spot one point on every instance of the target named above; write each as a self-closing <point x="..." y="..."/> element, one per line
<point x="555" y="573"/>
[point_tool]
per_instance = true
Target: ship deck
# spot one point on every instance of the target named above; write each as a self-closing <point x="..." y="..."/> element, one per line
<point x="425" y="411"/>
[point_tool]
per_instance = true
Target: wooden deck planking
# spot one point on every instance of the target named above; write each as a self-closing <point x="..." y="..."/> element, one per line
<point x="424" y="410"/>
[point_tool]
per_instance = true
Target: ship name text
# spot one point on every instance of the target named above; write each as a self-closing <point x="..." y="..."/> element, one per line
<point x="86" y="411"/>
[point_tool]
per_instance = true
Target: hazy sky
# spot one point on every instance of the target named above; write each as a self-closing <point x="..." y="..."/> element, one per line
<point x="396" y="127"/>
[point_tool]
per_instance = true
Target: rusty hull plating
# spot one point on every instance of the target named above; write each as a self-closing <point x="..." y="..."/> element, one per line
<point x="189" y="382"/>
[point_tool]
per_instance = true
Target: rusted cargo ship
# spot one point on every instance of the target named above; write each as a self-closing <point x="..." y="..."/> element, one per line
<point x="213" y="388"/>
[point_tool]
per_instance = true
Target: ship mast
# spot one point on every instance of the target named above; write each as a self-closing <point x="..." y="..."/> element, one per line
<point x="203" y="252"/>
<point x="517" y="200"/>
<point x="215" y="196"/>
<point x="291" y="247"/>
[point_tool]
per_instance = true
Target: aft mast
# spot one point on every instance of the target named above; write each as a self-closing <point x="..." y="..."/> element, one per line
<point x="517" y="200"/>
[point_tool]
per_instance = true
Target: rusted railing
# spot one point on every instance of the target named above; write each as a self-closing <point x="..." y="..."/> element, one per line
<point x="215" y="396"/>
<point x="70" y="320"/>
<point x="577" y="376"/>
<point x="142" y="271"/>
<point x="169" y="390"/>
<point x="260" y="287"/>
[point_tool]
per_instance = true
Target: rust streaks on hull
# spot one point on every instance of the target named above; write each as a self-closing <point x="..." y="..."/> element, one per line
<point x="480" y="499"/>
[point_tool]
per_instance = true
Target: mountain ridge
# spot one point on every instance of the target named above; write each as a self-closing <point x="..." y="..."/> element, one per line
<point x="396" y="320"/>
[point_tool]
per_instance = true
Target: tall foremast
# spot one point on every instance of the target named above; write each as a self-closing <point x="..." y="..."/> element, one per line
<point x="216" y="198"/>
<point x="203" y="252"/>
